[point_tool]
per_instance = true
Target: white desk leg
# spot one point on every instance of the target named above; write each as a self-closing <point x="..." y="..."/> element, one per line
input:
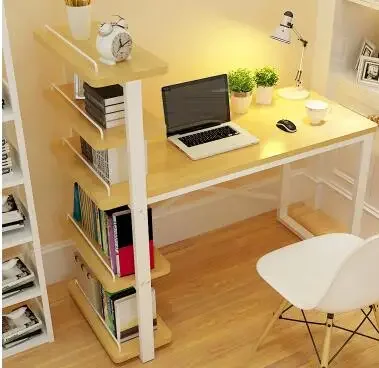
<point x="360" y="184"/>
<point x="320" y="171"/>
<point x="138" y="203"/>
<point x="285" y="192"/>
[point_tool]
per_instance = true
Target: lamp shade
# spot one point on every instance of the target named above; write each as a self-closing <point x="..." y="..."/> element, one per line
<point x="283" y="32"/>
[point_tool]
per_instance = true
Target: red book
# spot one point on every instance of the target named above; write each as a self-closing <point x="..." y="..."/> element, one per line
<point x="123" y="241"/>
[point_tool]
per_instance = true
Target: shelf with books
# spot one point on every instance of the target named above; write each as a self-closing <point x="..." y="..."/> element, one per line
<point x="83" y="57"/>
<point x="62" y="98"/>
<point x="99" y="263"/>
<point x="125" y="351"/>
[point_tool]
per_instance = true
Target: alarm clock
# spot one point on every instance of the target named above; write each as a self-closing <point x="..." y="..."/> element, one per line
<point x="114" y="42"/>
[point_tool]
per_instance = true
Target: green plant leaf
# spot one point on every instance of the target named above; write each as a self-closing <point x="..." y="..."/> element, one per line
<point x="241" y="80"/>
<point x="266" y="77"/>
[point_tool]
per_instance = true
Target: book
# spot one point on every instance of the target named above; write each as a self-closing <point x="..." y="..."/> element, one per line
<point x="17" y="290"/>
<point x="123" y="241"/>
<point x="15" y="274"/>
<point x="19" y="323"/>
<point x="11" y="214"/>
<point x="101" y="116"/>
<point x="104" y="109"/>
<point x="102" y="120"/>
<point x="7" y="171"/>
<point x="125" y="314"/>
<point x="109" y="95"/>
<point x="22" y="339"/>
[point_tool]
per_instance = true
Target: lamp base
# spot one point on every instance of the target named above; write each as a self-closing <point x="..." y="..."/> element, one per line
<point x="293" y="93"/>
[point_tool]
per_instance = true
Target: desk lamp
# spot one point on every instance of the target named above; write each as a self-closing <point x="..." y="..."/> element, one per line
<point x="283" y="34"/>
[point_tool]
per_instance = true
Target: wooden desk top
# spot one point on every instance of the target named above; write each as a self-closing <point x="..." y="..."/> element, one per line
<point x="143" y="64"/>
<point x="170" y="169"/>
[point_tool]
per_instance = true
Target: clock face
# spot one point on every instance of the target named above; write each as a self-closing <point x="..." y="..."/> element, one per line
<point x="121" y="46"/>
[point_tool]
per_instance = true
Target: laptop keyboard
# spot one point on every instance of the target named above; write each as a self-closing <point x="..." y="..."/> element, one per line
<point x="208" y="136"/>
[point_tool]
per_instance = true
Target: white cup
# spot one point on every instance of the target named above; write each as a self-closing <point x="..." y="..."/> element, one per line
<point x="317" y="111"/>
<point x="79" y="21"/>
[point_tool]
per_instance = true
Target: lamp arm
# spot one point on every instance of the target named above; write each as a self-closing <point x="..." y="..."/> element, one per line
<point x="300" y="37"/>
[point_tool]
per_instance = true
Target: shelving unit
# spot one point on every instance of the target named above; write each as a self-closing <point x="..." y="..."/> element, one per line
<point x="27" y="238"/>
<point x="8" y="114"/>
<point x="139" y="126"/>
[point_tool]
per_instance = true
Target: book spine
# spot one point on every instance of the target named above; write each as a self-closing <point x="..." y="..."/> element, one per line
<point x="105" y="232"/>
<point x="7" y="171"/>
<point x="116" y="247"/>
<point x="100" y="106"/>
<point x="98" y="227"/>
<point x="112" y="250"/>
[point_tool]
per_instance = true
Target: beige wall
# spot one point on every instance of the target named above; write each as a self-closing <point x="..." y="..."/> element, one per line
<point x="196" y="38"/>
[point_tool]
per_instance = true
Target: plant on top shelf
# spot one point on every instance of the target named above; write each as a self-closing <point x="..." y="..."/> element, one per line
<point x="265" y="78"/>
<point x="241" y="85"/>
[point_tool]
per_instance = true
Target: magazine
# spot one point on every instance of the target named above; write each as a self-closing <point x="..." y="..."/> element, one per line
<point x="15" y="274"/>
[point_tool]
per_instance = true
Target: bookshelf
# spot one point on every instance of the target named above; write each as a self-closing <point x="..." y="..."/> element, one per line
<point x="81" y="57"/>
<point x="26" y="240"/>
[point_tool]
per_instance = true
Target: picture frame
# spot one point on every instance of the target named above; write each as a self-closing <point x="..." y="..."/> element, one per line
<point x="368" y="49"/>
<point x="78" y="88"/>
<point x="368" y="71"/>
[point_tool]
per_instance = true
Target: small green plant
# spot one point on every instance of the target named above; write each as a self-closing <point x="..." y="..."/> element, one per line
<point x="241" y="80"/>
<point x="266" y="77"/>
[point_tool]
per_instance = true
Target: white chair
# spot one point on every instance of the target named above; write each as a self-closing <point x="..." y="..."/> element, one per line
<point x="331" y="273"/>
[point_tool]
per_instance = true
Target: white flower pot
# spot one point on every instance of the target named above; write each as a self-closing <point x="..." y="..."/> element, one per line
<point x="241" y="102"/>
<point x="79" y="21"/>
<point x="264" y="95"/>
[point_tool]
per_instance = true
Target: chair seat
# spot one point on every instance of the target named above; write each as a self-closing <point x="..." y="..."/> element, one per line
<point x="303" y="272"/>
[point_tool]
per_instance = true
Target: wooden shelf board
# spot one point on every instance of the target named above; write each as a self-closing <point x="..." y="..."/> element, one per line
<point x="29" y="344"/>
<point x="162" y="266"/>
<point x="23" y="296"/>
<point x="367" y="3"/>
<point x="129" y="349"/>
<point x="170" y="170"/>
<point x="315" y="221"/>
<point x="143" y="64"/>
<point x="17" y="237"/>
<point x="154" y="129"/>
<point x="13" y="179"/>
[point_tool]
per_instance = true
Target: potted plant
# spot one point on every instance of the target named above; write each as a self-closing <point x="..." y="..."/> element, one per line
<point x="265" y="79"/>
<point x="241" y="85"/>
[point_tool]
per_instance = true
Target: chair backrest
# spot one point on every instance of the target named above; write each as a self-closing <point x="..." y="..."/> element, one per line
<point x="356" y="284"/>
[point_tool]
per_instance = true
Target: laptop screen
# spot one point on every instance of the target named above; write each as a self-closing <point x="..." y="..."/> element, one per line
<point x="196" y="103"/>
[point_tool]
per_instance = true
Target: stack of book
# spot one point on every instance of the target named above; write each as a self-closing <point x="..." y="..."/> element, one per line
<point x="12" y="215"/>
<point x="105" y="105"/>
<point x="16" y="277"/>
<point x="6" y="157"/>
<point x="20" y="325"/>
<point x="112" y="230"/>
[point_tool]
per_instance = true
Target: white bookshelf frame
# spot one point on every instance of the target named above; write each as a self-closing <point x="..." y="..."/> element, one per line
<point x="29" y="234"/>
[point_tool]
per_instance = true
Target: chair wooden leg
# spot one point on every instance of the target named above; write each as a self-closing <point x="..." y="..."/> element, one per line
<point x="284" y="304"/>
<point x="327" y="341"/>
<point x="376" y="312"/>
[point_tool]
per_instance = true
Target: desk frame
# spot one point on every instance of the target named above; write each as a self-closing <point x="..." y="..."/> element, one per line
<point x="139" y="200"/>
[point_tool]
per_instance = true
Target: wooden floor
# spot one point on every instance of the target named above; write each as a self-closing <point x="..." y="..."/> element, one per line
<point x="215" y="304"/>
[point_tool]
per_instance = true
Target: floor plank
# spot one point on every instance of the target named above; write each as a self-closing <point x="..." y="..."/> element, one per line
<point x="215" y="304"/>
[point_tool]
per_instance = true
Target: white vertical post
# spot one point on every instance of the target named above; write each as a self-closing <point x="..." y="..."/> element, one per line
<point x="285" y="192"/>
<point x="138" y="204"/>
<point x="320" y="171"/>
<point x="360" y="184"/>
<point x="7" y="54"/>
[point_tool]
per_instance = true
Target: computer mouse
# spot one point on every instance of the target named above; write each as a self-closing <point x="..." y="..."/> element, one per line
<point x="286" y="125"/>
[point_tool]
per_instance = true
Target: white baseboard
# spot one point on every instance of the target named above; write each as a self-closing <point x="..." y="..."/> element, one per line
<point x="186" y="221"/>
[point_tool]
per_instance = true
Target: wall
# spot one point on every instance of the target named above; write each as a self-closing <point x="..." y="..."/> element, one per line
<point x="196" y="38"/>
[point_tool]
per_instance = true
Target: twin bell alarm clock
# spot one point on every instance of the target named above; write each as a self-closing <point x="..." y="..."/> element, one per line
<point x="114" y="42"/>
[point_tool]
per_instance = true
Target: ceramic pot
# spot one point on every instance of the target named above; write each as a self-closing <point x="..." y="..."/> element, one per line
<point x="241" y="102"/>
<point x="264" y="95"/>
<point x="79" y="21"/>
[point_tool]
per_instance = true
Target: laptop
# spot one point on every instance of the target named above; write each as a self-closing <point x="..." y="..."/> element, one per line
<point x="197" y="116"/>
